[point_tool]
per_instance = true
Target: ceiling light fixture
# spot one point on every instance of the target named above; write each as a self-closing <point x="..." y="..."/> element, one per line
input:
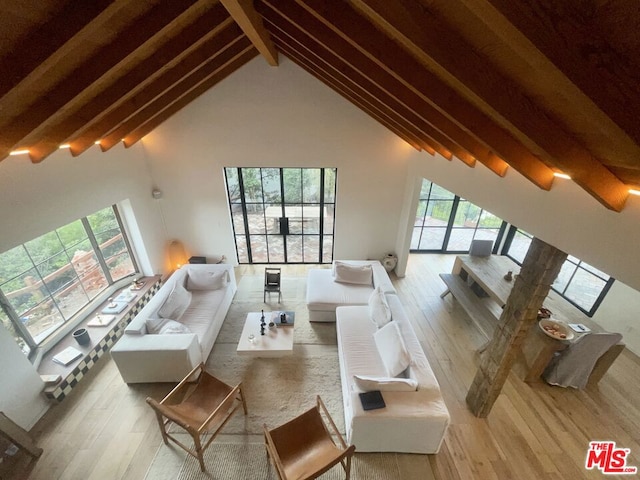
<point x="64" y="145"/>
<point x="633" y="191"/>
<point x="561" y="175"/>
<point x="97" y="142"/>
<point x="20" y="152"/>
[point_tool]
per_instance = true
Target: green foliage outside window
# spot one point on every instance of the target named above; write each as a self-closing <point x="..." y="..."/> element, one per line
<point x="45" y="281"/>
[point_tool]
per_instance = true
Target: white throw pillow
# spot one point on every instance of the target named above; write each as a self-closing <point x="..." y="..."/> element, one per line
<point x="392" y="349"/>
<point x="357" y="274"/>
<point x="379" y="310"/>
<point x="154" y="324"/>
<point x="171" y="326"/>
<point x="207" y="280"/>
<point x="176" y="303"/>
<point x="385" y="384"/>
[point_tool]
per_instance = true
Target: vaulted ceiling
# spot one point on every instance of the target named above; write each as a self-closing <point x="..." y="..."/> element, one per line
<point x="539" y="86"/>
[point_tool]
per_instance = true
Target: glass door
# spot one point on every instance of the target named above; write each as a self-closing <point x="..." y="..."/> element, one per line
<point x="282" y="215"/>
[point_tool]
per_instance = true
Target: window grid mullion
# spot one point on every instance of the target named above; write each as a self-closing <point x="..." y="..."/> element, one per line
<point x="96" y="248"/>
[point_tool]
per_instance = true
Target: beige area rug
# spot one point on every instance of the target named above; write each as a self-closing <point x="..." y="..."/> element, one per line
<point x="276" y="390"/>
<point x="249" y="461"/>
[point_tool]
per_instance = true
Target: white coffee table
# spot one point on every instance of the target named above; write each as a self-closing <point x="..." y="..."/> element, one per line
<point x="276" y="341"/>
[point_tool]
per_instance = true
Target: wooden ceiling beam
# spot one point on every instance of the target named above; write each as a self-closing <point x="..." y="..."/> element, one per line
<point x="38" y="45"/>
<point x="582" y="53"/>
<point x="160" y="17"/>
<point x="209" y="25"/>
<point x="335" y="51"/>
<point x="342" y="72"/>
<point x="249" y="53"/>
<point x="443" y="49"/>
<point x="250" y="22"/>
<point x="372" y="106"/>
<point x="214" y="64"/>
<point x="140" y="97"/>
<point x="397" y="62"/>
<point x="378" y="116"/>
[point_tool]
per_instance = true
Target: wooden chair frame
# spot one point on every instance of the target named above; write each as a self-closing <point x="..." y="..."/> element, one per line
<point x="165" y="415"/>
<point x="344" y="459"/>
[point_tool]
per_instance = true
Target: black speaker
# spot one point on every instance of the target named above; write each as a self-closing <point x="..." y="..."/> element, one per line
<point x="198" y="260"/>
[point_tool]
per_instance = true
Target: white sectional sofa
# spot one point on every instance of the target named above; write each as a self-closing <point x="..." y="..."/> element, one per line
<point x="167" y="356"/>
<point x="412" y="421"/>
<point x="324" y="294"/>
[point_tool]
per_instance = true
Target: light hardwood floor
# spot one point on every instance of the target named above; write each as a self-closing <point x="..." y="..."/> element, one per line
<point x="105" y="430"/>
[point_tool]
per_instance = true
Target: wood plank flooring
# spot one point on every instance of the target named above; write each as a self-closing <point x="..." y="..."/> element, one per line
<point x="105" y="430"/>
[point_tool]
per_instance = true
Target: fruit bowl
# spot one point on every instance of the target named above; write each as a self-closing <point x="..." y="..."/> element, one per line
<point x="556" y="330"/>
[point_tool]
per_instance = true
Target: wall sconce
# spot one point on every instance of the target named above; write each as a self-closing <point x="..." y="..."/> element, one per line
<point x="177" y="254"/>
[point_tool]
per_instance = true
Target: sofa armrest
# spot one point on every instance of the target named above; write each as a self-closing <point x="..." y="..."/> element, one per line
<point x="156" y="358"/>
<point x="412" y="422"/>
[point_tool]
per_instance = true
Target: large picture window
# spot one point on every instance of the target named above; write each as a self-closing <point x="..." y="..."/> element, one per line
<point x="446" y="223"/>
<point x="282" y="215"/>
<point x="578" y="282"/>
<point x="46" y="281"/>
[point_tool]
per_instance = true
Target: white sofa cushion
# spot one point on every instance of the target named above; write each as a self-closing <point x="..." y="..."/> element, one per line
<point x="206" y="280"/>
<point x="176" y="303"/>
<point x="367" y="383"/>
<point x="171" y="326"/>
<point x="348" y="273"/>
<point x="379" y="308"/>
<point x="391" y="349"/>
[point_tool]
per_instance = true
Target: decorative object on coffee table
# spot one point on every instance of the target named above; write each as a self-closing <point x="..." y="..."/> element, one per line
<point x="274" y="342"/>
<point x="508" y="276"/>
<point x="283" y="318"/>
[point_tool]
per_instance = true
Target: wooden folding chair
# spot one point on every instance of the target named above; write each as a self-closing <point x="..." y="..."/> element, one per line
<point x="201" y="407"/>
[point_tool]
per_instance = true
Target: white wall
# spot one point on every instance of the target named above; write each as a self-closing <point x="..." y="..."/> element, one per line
<point x="20" y="397"/>
<point x="620" y="312"/>
<point x="277" y="117"/>
<point x="35" y="199"/>
<point x="566" y="217"/>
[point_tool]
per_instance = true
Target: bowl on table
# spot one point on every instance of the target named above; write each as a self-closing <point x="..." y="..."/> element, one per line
<point x="556" y="330"/>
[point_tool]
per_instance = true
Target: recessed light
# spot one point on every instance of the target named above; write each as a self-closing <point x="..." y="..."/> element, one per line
<point x="20" y="152"/>
<point x="561" y="175"/>
<point x="633" y="191"/>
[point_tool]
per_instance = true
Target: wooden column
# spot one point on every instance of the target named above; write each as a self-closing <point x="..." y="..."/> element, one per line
<point x="539" y="269"/>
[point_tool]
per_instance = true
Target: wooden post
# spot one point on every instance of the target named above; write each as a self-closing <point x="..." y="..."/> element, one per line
<point x="539" y="269"/>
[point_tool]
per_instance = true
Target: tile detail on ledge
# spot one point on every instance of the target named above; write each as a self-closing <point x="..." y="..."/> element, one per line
<point x="59" y="391"/>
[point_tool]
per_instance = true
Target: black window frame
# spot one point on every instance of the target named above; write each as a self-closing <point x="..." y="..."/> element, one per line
<point x="30" y="346"/>
<point x="578" y="266"/>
